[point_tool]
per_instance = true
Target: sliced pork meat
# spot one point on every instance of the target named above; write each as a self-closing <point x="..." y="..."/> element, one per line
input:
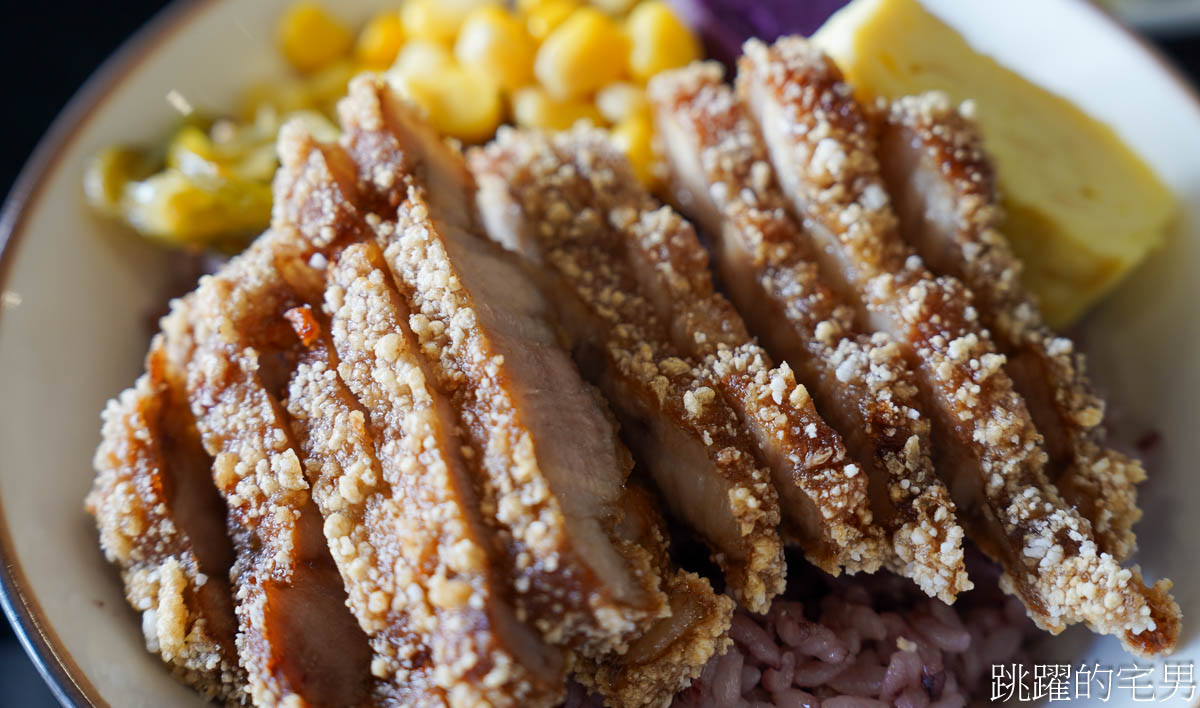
<point x="163" y="524"/>
<point x="989" y="451"/>
<point x="689" y="441"/>
<point x="670" y="654"/>
<point x="721" y="178"/>
<point x="381" y="448"/>
<point x="933" y="162"/>
<point x="296" y="640"/>
<point x="549" y="466"/>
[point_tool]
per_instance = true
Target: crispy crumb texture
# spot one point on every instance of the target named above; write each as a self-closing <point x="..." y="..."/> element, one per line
<point x="722" y="179"/>
<point x="179" y="586"/>
<point x="668" y="401"/>
<point x="824" y="153"/>
<point x="933" y="160"/>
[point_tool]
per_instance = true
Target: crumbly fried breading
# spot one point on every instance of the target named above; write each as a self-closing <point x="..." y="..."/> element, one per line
<point x="483" y="655"/>
<point x="721" y="178"/>
<point x="672" y="652"/>
<point x="393" y="486"/>
<point x="691" y="442"/>
<point x="550" y="467"/>
<point x="824" y="154"/>
<point x="154" y="505"/>
<point x="290" y="601"/>
<point x="941" y="181"/>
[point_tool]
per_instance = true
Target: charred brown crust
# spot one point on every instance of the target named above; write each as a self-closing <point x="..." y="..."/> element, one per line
<point x="1046" y="368"/>
<point x="823" y="150"/>
<point x="723" y="180"/>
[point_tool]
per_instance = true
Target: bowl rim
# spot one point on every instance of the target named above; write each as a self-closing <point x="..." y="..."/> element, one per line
<point x="66" y="680"/>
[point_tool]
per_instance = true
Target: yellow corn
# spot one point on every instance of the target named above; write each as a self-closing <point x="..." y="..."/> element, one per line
<point x="438" y="20"/>
<point x="420" y="56"/>
<point x="658" y="40"/>
<point x="532" y="107"/>
<point x="459" y="103"/>
<point x="380" y="41"/>
<point x="613" y="7"/>
<point x="310" y="37"/>
<point x="584" y="53"/>
<point x="543" y="16"/>
<point x="635" y="137"/>
<point x="492" y="40"/>
<point x="621" y="100"/>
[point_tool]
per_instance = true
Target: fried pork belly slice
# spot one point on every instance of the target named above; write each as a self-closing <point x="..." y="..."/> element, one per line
<point x="549" y="466"/>
<point x="670" y="654"/>
<point x="722" y="180"/>
<point x="991" y="456"/>
<point x="690" y="441"/>
<point x="163" y="525"/>
<point x="416" y="513"/>
<point x="942" y="185"/>
<point x="297" y="641"/>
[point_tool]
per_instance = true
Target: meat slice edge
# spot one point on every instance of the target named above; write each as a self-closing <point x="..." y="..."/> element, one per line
<point x="174" y="562"/>
<point x="722" y="179"/>
<point x="691" y="443"/>
<point x="933" y="160"/>
<point x="820" y="144"/>
<point x="553" y="468"/>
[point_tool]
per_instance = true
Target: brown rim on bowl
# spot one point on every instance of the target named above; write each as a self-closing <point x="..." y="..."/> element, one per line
<point x="66" y="680"/>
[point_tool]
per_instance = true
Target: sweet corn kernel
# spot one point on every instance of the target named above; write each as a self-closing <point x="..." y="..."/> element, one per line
<point x="658" y="40"/>
<point x="438" y="20"/>
<point x="634" y="136"/>
<point x="613" y="7"/>
<point x="621" y="100"/>
<point x="493" y="40"/>
<point x="459" y="103"/>
<point x="420" y="56"/>
<point x="584" y="53"/>
<point x="532" y="107"/>
<point x="310" y="37"/>
<point x="380" y="41"/>
<point x="543" y="16"/>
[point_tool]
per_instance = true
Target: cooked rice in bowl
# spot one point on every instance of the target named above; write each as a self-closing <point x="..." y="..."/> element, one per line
<point x="867" y="641"/>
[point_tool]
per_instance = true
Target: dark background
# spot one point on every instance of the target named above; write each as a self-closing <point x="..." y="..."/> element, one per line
<point x="47" y="50"/>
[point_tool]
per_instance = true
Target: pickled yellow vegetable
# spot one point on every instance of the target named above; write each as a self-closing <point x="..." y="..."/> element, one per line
<point x="109" y="172"/>
<point x="532" y="107"/>
<point x="311" y="38"/>
<point x="658" y="40"/>
<point x="492" y="40"/>
<point x="585" y="52"/>
<point x="380" y="41"/>
<point x="174" y="208"/>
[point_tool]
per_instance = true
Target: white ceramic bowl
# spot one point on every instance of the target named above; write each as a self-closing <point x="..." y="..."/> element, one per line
<point x="77" y="289"/>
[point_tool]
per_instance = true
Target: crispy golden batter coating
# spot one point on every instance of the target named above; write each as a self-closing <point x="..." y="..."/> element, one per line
<point x="672" y="652"/>
<point x="824" y="154"/>
<point x="289" y="597"/>
<point x="721" y="178"/>
<point x="691" y="441"/>
<point x="941" y="180"/>
<point x="550" y="469"/>
<point x="162" y="524"/>
<point x="400" y="512"/>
